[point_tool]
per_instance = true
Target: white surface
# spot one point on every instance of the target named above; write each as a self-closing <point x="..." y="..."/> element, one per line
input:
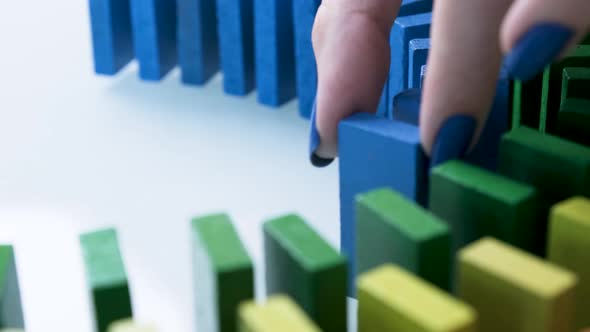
<point x="80" y="152"/>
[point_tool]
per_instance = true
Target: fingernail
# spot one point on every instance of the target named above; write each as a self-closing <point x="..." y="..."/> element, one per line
<point x="537" y="49"/>
<point x="453" y="139"/>
<point x="314" y="143"/>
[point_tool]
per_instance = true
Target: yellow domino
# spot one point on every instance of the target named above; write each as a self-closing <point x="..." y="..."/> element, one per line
<point x="279" y="313"/>
<point x="514" y="291"/>
<point x="569" y="247"/>
<point x="128" y="325"/>
<point x="391" y="299"/>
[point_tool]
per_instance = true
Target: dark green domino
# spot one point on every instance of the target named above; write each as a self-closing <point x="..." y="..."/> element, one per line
<point x="392" y="229"/>
<point x="557" y="168"/>
<point x="526" y="103"/>
<point x="574" y="120"/>
<point x="586" y="41"/>
<point x="11" y="312"/>
<point x="575" y="83"/>
<point x="223" y="273"/>
<point x="301" y="264"/>
<point x="478" y="203"/>
<point x="552" y="81"/>
<point x="106" y="277"/>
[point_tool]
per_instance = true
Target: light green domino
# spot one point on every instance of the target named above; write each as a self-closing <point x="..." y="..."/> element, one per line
<point x="514" y="291"/>
<point x="279" y="313"/>
<point x="392" y="299"/>
<point x="11" y="312"/>
<point x="569" y="247"/>
<point x="223" y="273"/>
<point x="128" y="325"/>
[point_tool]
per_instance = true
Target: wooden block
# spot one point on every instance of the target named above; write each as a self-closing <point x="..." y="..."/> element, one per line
<point x="406" y="106"/>
<point x="304" y="12"/>
<point x="422" y="75"/>
<point x="391" y="299"/>
<point x="106" y="277"/>
<point x="569" y="247"/>
<point x="574" y="120"/>
<point x="128" y="325"/>
<point x="370" y="150"/>
<point x="552" y="80"/>
<point x="154" y="37"/>
<point x="513" y="291"/>
<point x="279" y="313"/>
<point x="198" y="46"/>
<point x="419" y="49"/>
<point x="526" y="103"/>
<point x="235" y="24"/>
<point x="11" y="311"/>
<point x="575" y="83"/>
<point x="112" y="39"/>
<point x="275" y="53"/>
<point x="392" y="229"/>
<point x="223" y="273"/>
<point x="300" y="264"/>
<point x="478" y="203"/>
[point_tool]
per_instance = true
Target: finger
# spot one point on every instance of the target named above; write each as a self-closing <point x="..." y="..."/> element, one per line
<point x="350" y="40"/>
<point x="536" y="32"/>
<point x="463" y="67"/>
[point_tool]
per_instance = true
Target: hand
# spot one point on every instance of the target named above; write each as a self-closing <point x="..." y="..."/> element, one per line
<point x="468" y="41"/>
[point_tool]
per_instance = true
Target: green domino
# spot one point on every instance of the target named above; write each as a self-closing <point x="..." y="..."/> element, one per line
<point x="526" y="103"/>
<point x="106" y="277"/>
<point x="586" y="41"/>
<point x="300" y="264"/>
<point x="223" y="273"/>
<point x="552" y="81"/>
<point x="574" y="120"/>
<point x="11" y="313"/>
<point x="392" y="229"/>
<point x="477" y="203"/>
<point x="575" y="83"/>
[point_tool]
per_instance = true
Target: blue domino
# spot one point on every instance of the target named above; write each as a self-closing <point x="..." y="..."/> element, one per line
<point x="198" y="47"/>
<point x="112" y="39"/>
<point x="406" y="106"/>
<point x="408" y="7"/>
<point x="404" y="30"/>
<point x="275" y="51"/>
<point x="304" y="12"/>
<point x="376" y="152"/>
<point x="236" y="41"/>
<point x="422" y="75"/>
<point x="154" y="36"/>
<point x="418" y="49"/>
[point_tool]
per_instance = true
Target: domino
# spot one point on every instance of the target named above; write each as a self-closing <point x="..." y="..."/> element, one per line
<point x="129" y="325"/>
<point x="198" y="45"/>
<point x="370" y="150"/>
<point x="513" y="291"/>
<point x="304" y="12"/>
<point x="569" y="247"/>
<point x="393" y="229"/>
<point x="391" y="299"/>
<point x="478" y="203"/>
<point x="223" y="273"/>
<point x="106" y="277"/>
<point x="422" y="75"/>
<point x="235" y="24"/>
<point x="279" y="313"/>
<point x="526" y="103"/>
<point x="305" y="267"/>
<point x="552" y="81"/>
<point x="154" y="37"/>
<point x="275" y="52"/>
<point x="406" y="106"/>
<point x="112" y="39"/>
<point x="574" y="120"/>
<point x="557" y="168"/>
<point x="575" y="83"/>
<point x="11" y="310"/>
<point x="419" y="49"/>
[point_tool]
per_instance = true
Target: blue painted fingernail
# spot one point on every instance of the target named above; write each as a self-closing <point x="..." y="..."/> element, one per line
<point x="453" y="139"/>
<point x="314" y="142"/>
<point x="537" y="49"/>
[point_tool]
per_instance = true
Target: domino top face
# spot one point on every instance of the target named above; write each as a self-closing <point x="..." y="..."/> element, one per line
<point x="128" y="325"/>
<point x="103" y="258"/>
<point x="223" y="244"/>
<point x="490" y="184"/>
<point x="293" y="232"/>
<point x="411" y="220"/>
<point x="279" y="313"/>
<point x="576" y="209"/>
<point x="499" y="259"/>
<point x="6" y="257"/>
<point x="425" y="307"/>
